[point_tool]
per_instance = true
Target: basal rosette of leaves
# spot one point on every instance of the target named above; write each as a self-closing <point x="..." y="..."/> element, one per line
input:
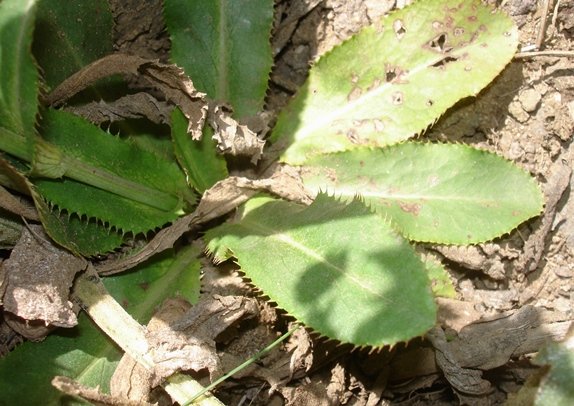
<point x="91" y="188"/>
<point x="339" y="269"/>
<point x="343" y="265"/>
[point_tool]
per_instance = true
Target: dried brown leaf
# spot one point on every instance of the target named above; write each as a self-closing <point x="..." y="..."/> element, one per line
<point x="39" y="276"/>
<point x="169" y="79"/>
<point x="70" y="387"/>
<point x="132" y="380"/>
<point x="231" y="137"/>
<point x="131" y="106"/>
<point x="17" y="206"/>
<point x="189" y="343"/>
<point x="220" y="199"/>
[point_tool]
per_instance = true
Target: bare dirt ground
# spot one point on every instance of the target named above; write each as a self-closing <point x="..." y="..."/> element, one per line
<point x="514" y="293"/>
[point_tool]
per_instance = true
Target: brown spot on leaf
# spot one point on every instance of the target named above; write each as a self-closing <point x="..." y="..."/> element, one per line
<point x="353" y="136"/>
<point x="458" y="31"/>
<point x="379" y="125"/>
<point x="439" y="44"/>
<point x="437" y="25"/>
<point x="471" y="18"/>
<point x="398" y="98"/>
<point x="412" y="208"/>
<point x="399" y="29"/>
<point x="429" y="103"/>
<point x="354" y="94"/>
<point x="376" y="83"/>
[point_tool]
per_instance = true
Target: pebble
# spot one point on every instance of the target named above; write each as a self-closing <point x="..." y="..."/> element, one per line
<point x="530" y="100"/>
<point x="517" y="111"/>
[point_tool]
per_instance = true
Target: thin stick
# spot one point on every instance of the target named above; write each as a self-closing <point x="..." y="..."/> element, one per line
<point x="111" y="318"/>
<point x="567" y="54"/>
<point x="543" y="23"/>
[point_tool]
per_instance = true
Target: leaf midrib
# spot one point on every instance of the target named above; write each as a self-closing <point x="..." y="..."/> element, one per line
<point x="286" y="239"/>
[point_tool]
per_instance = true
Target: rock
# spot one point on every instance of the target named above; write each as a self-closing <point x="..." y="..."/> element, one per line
<point x="530" y="100"/>
<point x="515" y="109"/>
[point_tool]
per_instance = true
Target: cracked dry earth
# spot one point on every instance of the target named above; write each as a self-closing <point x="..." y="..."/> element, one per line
<point x="513" y="294"/>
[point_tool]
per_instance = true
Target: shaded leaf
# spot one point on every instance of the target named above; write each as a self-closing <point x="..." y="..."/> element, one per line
<point x="224" y="46"/>
<point x="338" y="268"/>
<point x="202" y="165"/>
<point x="18" y="77"/>
<point x="445" y="193"/>
<point x="83" y="353"/>
<point x="86" y="237"/>
<point x="394" y="79"/>
<point x="142" y="191"/>
<point x="70" y="35"/>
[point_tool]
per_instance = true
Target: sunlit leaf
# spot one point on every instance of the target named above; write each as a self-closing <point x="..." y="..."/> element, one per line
<point x="338" y="268"/>
<point x="395" y="78"/>
<point x="447" y="193"/>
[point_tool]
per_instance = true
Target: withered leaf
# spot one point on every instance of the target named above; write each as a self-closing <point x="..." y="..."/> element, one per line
<point x="39" y="276"/>
<point x="132" y="380"/>
<point x="220" y="199"/>
<point x="231" y="137"/>
<point x="131" y="106"/>
<point x="189" y="343"/>
<point x="70" y="387"/>
<point x="17" y="206"/>
<point x="169" y="79"/>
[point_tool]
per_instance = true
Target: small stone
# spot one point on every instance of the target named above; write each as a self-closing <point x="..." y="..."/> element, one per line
<point x="515" y="109"/>
<point x="530" y="100"/>
<point x="571" y="109"/>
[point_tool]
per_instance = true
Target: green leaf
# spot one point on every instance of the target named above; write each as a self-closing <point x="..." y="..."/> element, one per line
<point x="224" y="47"/>
<point x="84" y="353"/>
<point x="556" y="388"/>
<point x="70" y="35"/>
<point x="86" y="237"/>
<point x="200" y="161"/>
<point x="138" y="191"/>
<point x="18" y="77"/>
<point x="394" y="79"/>
<point x="441" y="282"/>
<point x="338" y="268"/>
<point x="446" y="193"/>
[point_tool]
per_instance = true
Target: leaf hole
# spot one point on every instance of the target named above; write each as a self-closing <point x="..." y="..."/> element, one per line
<point x="399" y="29"/>
<point x="444" y="61"/>
<point x="429" y="103"/>
<point x="458" y="31"/>
<point x="438" y="43"/>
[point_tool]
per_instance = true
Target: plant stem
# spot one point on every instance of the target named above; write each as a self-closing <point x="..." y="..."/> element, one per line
<point x="76" y="169"/>
<point x="15" y="145"/>
<point x="80" y="171"/>
<point x="111" y="317"/>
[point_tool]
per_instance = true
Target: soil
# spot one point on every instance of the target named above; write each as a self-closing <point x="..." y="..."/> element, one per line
<point x="519" y="286"/>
